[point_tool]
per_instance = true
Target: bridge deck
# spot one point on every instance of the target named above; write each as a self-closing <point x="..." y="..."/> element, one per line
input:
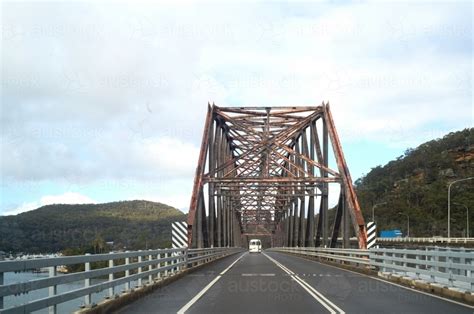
<point x="254" y="283"/>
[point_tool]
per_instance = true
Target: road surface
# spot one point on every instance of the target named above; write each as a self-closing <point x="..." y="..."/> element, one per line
<point x="272" y="282"/>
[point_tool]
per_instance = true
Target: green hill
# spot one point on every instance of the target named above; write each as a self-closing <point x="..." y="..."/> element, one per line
<point x="128" y="224"/>
<point x="416" y="184"/>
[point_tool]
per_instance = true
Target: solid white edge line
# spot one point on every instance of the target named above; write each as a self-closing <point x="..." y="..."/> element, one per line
<point x="209" y="285"/>
<point x="298" y="280"/>
<point x="320" y="295"/>
<point x="315" y="291"/>
<point x="386" y="281"/>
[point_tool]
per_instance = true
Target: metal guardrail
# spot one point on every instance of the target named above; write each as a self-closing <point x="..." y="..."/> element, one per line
<point x="451" y="267"/>
<point x="144" y="267"/>
<point x="354" y="256"/>
<point x="428" y="240"/>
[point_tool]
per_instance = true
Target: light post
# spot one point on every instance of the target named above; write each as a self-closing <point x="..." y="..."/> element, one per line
<point x="467" y="218"/>
<point x="408" y="223"/>
<point x="449" y="202"/>
<point x="373" y="207"/>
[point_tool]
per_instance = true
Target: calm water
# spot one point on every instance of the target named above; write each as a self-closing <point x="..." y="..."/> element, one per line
<point x="66" y="307"/>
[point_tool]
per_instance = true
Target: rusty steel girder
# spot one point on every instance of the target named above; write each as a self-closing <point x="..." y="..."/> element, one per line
<point x="261" y="170"/>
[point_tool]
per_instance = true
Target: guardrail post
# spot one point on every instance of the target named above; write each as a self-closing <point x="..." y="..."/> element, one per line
<point x="140" y="259"/>
<point x="436" y="258"/>
<point x="111" y="276"/>
<point x="186" y="257"/>
<point x="172" y="263"/>
<point x="384" y="261"/>
<point x="432" y="268"/>
<point x="127" y="273"/>
<point x="52" y="290"/>
<point x="470" y="273"/>
<point x="87" y="283"/>
<point x="449" y="268"/>
<point x="404" y="255"/>
<point x="417" y="266"/>
<point x="158" y="257"/>
<point x="150" y="267"/>
<point x="1" y="284"/>
<point x="166" y="264"/>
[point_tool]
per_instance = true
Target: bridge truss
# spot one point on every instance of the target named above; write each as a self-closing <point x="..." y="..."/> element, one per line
<point x="264" y="172"/>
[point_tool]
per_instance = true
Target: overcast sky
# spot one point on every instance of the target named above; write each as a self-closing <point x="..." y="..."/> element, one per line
<point x="106" y="102"/>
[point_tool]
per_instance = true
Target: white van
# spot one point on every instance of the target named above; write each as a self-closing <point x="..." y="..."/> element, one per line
<point x="255" y="246"/>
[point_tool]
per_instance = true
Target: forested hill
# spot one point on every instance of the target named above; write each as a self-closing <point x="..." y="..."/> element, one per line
<point x="129" y="224"/>
<point x="416" y="184"/>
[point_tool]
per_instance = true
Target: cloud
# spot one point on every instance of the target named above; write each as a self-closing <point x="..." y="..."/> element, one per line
<point x="93" y="93"/>
<point x="66" y="198"/>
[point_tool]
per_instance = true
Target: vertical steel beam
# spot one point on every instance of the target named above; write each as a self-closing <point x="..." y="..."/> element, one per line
<point x="325" y="191"/>
<point x="301" y="163"/>
<point x="204" y="229"/>
<point x="295" y="222"/>
<point x="287" y="227"/>
<point x="337" y="220"/>
<point x="224" y="220"/>
<point x="219" y="159"/>
<point x="346" y="224"/>
<point x="198" y="223"/>
<point x="319" y="228"/>
<point x="301" y="232"/>
<point x="212" y="163"/>
<point x="197" y="185"/>
<point x="309" y="240"/>
<point x="292" y="225"/>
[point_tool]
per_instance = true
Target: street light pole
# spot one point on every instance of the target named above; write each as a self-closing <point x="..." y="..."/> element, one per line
<point x="408" y="223"/>
<point x="467" y="218"/>
<point x="373" y="207"/>
<point x="449" y="202"/>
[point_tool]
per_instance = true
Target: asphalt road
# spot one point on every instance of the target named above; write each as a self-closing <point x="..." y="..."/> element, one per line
<point x="278" y="283"/>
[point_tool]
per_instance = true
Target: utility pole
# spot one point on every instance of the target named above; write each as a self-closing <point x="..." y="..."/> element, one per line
<point x="373" y="207"/>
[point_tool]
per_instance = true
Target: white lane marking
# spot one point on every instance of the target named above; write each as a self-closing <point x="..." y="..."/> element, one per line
<point x="389" y="282"/>
<point x="201" y="293"/>
<point x="256" y="275"/>
<point x="310" y="287"/>
<point x="331" y="307"/>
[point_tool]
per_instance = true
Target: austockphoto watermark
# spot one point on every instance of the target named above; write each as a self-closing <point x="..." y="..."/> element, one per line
<point x="263" y="285"/>
<point x="405" y="30"/>
<point x="82" y="82"/>
<point x="28" y="80"/>
<point x="274" y="32"/>
<point x="369" y="287"/>
<point x="147" y="29"/>
<point x="15" y="32"/>
<point x="14" y="134"/>
<point x="127" y="81"/>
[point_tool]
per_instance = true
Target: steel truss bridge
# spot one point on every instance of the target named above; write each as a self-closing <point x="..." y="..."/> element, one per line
<point x="264" y="172"/>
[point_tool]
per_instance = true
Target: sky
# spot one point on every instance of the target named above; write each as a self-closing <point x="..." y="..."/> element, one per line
<point x="104" y="102"/>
